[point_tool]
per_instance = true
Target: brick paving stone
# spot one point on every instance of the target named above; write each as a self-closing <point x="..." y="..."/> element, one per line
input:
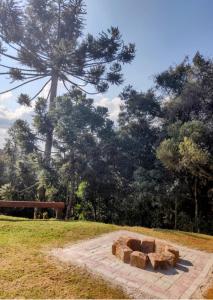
<point x="180" y="282"/>
<point x="163" y="284"/>
<point x="150" y="278"/>
<point x="156" y="291"/>
<point x="133" y="284"/>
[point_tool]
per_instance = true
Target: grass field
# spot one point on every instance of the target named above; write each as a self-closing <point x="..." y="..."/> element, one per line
<point x="26" y="272"/>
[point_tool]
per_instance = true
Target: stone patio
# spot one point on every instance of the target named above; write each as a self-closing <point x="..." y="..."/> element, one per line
<point x="181" y="282"/>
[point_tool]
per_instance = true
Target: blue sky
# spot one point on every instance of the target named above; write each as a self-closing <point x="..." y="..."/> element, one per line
<point x="164" y="31"/>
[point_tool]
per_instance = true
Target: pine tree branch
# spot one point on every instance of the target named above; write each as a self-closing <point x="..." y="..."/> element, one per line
<point x="6" y="73"/>
<point x="37" y="94"/>
<point x="16" y="87"/>
<point x="85" y="79"/>
<point x="59" y="19"/>
<point x="100" y="62"/>
<point x="28" y="74"/>
<point x="48" y="95"/>
<point x="4" y="39"/>
<point x="40" y="139"/>
<point x="36" y="56"/>
<point x="76" y="85"/>
<point x="41" y="56"/>
<point x="35" y="75"/>
<point x="11" y="46"/>
<point x="25" y="70"/>
<point x="66" y="86"/>
<point x="26" y="49"/>
<point x="40" y="150"/>
<point x="28" y="188"/>
<point x="44" y="151"/>
<point x="70" y="74"/>
<point x="10" y="56"/>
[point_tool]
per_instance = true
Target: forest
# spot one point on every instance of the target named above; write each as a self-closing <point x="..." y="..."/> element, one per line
<point x="152" y="168"/>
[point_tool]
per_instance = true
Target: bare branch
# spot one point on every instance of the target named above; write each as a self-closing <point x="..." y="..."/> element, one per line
<point x="44" y="151"/>
<point x="25" y="70"/>
<point x="26" y="74"/>
<point x="85" y="79"/>
<point x="40" y="90"/>
<point x="9" y="44"/>
<point x="41" y="56"/>
<point x="40" y="139"/>
<point x="66" y="86"/>
<point x="16" y="87"/>
<point x="10" y="56"/>
<point x="29" y="76"/>
<point x="100" y="62"/>
<point x="80" y="78"/>
<point x="48" y="94"/>
<point x="36" y="74"/>
<point x="28" y="188"/>
<point x="76" y="85"/>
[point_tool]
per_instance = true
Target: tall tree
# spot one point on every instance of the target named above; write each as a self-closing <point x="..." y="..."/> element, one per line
<point x="138" y="131"/>
<point x="187" y="111"/>
<point x="79" y="128"/>
<point x="46" y="41"/>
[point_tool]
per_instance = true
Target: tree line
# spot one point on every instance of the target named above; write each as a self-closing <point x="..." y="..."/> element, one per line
<point x="153" y="168"/>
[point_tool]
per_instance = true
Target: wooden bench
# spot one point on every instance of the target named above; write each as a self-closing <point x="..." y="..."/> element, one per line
<point x="57" y="206"/>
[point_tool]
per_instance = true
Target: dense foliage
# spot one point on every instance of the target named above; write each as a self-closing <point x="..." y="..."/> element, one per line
<point x="153" y="169"/>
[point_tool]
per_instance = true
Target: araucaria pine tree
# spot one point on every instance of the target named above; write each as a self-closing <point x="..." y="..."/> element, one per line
<point x="44" y="39"/>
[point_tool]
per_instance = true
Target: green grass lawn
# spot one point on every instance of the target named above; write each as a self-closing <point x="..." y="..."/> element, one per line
<point x="25" y="271"/>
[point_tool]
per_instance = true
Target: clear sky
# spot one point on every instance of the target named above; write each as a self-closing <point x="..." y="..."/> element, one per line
<point x="164" y="31"/>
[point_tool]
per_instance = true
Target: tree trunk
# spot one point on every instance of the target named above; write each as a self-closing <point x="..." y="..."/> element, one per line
<point x="41" y="192"/>
<point x="176" y="213"/>
<point x="196" y="205"/>
<point x="95" y="211"/>
<point x="49" y="136"/>
<point x="71" y="197"/>
<point x="70" y="203"/>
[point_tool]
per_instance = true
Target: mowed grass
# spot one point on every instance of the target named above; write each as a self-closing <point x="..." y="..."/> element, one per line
<point x="27" y="272"/>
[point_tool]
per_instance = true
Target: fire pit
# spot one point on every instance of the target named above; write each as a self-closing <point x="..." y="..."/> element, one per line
<point x="139" y="253"/>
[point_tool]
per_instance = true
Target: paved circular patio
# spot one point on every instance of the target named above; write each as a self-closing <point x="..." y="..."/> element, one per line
<point x="182" y="281"/>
